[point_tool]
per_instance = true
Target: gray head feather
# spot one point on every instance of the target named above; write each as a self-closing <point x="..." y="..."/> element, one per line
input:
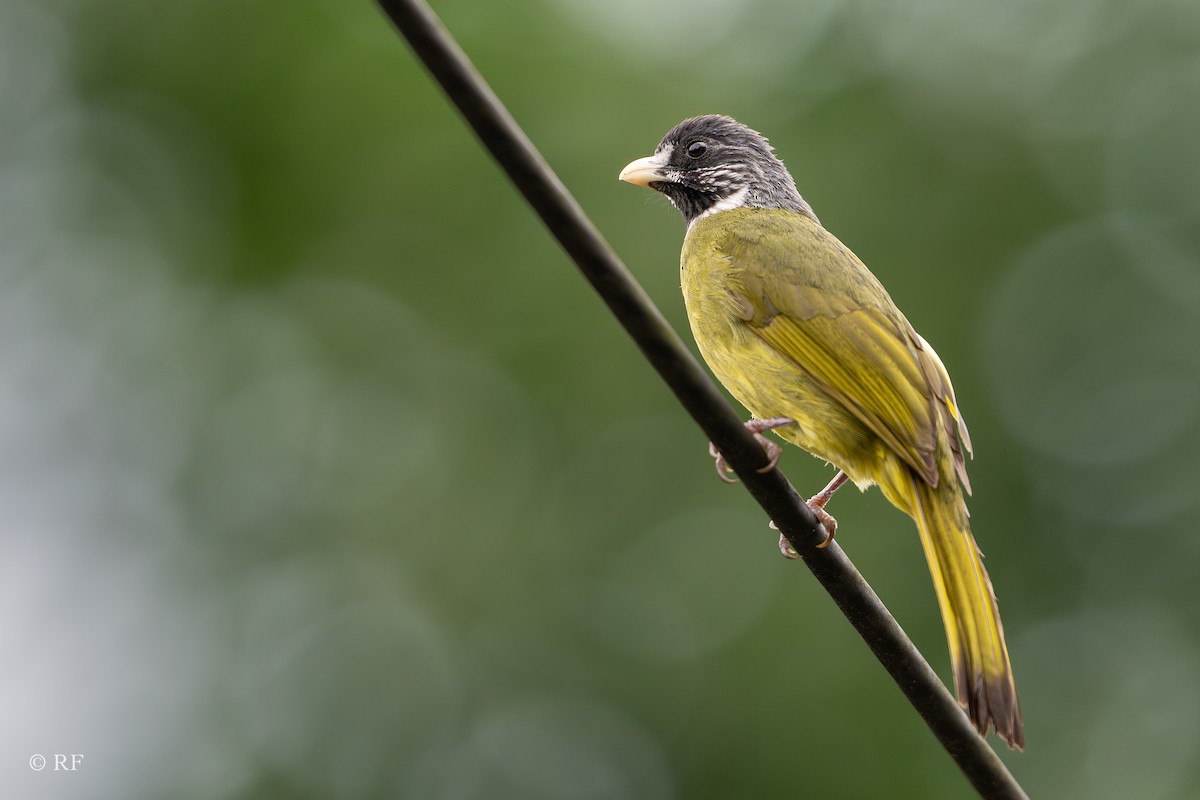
<point x="714" y="163"/>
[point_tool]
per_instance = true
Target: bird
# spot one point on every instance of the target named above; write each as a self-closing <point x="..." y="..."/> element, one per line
<point x="804" y="336"/>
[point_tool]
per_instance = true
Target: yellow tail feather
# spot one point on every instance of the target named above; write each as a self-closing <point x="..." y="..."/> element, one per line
<point x="983" y="675"/>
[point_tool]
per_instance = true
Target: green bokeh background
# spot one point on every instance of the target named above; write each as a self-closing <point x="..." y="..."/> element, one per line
<point x="324" y="474"/>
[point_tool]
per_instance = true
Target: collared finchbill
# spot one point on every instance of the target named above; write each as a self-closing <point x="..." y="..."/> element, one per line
<point x="797" y="328"/>
<point x="646" y="170"/>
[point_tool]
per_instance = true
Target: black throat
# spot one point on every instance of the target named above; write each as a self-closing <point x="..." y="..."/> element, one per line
<point x="690" y="202"/>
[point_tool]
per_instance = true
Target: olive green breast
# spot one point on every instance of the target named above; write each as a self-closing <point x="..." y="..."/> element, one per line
<point x="726" y="259"/>
<point x="796" y="326"/>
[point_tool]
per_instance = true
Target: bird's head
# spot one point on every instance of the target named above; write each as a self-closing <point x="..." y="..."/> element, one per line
<point x="715" y="163"/>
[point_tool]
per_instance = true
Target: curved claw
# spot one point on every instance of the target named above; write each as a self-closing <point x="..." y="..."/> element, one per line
<point x="827" y="522"/>
<point x="785" y="547"/>
<point x="723" y="470"/>
<point x="772" y="450"/>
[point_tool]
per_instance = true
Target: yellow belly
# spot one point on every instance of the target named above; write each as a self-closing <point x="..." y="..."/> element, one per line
<point x="770" y="384"/>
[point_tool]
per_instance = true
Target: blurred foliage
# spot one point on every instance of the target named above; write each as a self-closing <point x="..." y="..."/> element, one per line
<point x="325" y="476"/>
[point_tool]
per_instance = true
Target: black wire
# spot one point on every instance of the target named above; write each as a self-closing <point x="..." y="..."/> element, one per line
<point x="566" y="221"/>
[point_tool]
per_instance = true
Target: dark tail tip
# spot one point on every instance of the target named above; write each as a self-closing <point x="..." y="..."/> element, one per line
<point x="994" y="704"/>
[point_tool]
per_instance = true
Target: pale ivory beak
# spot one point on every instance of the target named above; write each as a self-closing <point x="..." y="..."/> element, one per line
<point x="644" y="171"/>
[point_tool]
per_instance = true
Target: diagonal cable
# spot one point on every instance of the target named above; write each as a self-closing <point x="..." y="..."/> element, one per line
<point x="698" y="394"/>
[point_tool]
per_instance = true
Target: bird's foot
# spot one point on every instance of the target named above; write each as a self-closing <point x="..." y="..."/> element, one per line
<point x="823" y="517"/>
<point x="827" y="522"/>
<point x="817" y="502"/>
<point x="785" y="547"/>
<point x="756" y="427"/>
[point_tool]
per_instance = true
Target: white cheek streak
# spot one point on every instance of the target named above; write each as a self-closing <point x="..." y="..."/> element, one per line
<point x="735" y="200"/>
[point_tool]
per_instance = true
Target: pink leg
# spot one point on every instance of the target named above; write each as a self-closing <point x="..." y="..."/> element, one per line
<point x="817" y="504"/>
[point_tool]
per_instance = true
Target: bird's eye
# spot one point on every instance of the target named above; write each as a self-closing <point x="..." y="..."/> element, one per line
<point x="696" y="149"/>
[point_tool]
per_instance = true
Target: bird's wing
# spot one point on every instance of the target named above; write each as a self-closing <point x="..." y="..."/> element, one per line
<point x="812" y="300"/>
